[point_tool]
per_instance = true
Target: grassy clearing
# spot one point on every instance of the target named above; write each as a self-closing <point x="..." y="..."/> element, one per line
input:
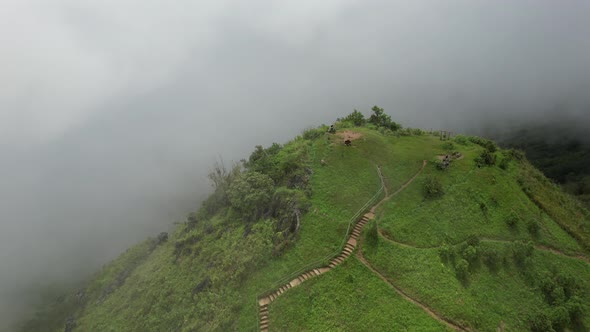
<point x="349" y="298"/>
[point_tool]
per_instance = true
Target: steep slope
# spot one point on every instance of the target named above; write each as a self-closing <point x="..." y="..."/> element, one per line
<point x="494" y="250"/>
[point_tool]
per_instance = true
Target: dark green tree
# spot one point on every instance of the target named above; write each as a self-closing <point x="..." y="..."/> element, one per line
<point x="250" y="194"/>
<point x="380" y="119"/>
<point x="357" y="118"/>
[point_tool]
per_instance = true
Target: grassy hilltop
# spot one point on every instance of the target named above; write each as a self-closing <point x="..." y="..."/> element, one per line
<point x="486" y="243"/>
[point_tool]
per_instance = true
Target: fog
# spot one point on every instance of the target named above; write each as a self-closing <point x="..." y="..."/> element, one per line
<point x="113" y="112"/>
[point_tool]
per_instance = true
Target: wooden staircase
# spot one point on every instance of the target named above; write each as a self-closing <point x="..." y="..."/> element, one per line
<point x="345" y="253"/>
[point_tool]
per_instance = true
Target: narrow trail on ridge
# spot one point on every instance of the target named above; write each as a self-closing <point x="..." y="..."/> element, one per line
<point x="351" y="244"/>
<point x="488" y="239"/>
<point x="428" y="310"/>
<point x="361" y="258"/>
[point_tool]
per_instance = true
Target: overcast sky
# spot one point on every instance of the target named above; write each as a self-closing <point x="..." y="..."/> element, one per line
<point x="112" y="112"/>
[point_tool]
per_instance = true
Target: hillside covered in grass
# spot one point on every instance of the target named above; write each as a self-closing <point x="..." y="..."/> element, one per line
<point x="562" y="154"/>
<point x="479" y="240"/>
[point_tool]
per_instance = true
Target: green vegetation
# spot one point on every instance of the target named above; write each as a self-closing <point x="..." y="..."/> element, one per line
<point x="489" y="232"/>
<point x="350" y="298"/>
<point x="458" y="290"/>
<point x="562" y="155"/>
<point x="432" y="187"/>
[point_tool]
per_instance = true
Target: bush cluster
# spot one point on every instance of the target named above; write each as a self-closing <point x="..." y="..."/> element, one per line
<point x="380" y="119"/>
<point x="562" y="293"/>
<point x="432" y="187"/>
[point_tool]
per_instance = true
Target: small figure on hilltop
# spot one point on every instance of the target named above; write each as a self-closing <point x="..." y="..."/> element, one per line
<point x="332" y="129"/>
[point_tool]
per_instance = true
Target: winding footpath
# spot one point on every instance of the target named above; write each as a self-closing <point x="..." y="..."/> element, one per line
<point x="488" y="239"/>
<point x="399" y="291"/>
<point x="350" y="246"/>
<point x="344" y="254"/>
<point x="353" y="242"/>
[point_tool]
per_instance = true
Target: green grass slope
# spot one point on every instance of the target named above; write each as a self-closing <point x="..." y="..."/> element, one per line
<point x="494" y="250"/>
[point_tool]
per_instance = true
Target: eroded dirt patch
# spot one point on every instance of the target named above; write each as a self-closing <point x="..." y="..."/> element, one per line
<point x="351" y="135"/>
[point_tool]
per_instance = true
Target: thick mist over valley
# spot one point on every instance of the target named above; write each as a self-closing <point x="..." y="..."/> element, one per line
<point x="113" y="112"/>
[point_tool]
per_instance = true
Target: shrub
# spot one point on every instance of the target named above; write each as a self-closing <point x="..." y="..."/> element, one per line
<point x="516" y="154"/>
<point x="250" y="194"/>
<point x="380" y="119"/>
<point x="486" y="158"/>
<point x="484" y="208"/>
<point x="473" y="240"/>
<point x="512" y="219"/>
<point x="504" y="163"/>
<point x="263" y="160"/>
<point x="385" y="131"/>
<point x="521" y="251"/>
<point x="313" y="133"/>
<point x="460" y="139"/>
<point x="446" y="253"/>
<point x="417" y="131"/>
<point x="541" y="323"/>
<point x="470" y="254"/>
<point x="432" y="187"/>
<point x="344" y="124"/>
<point x="356" y="118"/>
<point x="440" y="165"/>
<point x="462" y="269"/>
<point x="448" y="146"/>
<point x="490" y="146"/>
<point x="491" y="258"/>
<point x="533" y="226"/>
<point x="560" y="318"/>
